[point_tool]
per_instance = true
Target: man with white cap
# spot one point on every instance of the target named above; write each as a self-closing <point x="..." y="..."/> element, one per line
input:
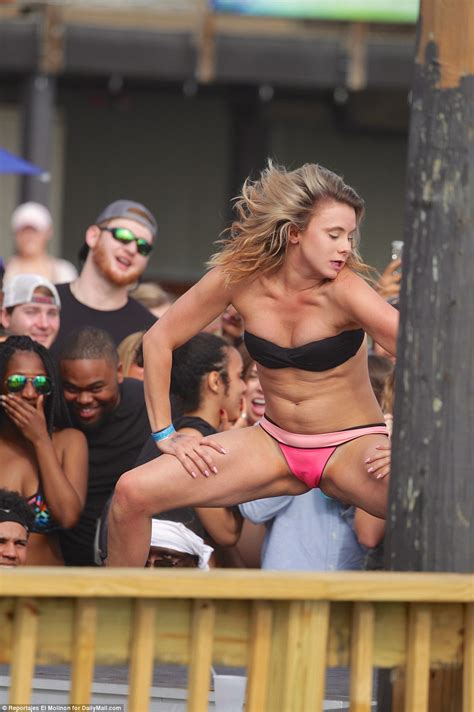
<point x="31" y="307"/>
<point x="173" y="544"/>
<point x="115" y="254"/>
<point x="32" y="227"/>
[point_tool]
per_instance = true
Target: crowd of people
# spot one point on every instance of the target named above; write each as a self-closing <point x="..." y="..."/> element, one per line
<point x="235" y="427"/>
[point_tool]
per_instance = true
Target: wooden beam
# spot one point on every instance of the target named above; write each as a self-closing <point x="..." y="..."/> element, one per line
<point x="259" y="659"/>
<point x="239" y="584"/>
<point x="83" y="651"/>
<point x="417" y="669"/>
<point x="202" y="638"/>
<point x="142" y="635"/>
<point x="362" y="657"/>
<point x="25" y="636"/>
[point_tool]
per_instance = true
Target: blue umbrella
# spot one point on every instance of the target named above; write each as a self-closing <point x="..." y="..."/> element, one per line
<point x="9" y="163"/>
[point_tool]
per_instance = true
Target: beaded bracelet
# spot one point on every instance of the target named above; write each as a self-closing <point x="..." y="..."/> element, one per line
<point x="163" y="433"/>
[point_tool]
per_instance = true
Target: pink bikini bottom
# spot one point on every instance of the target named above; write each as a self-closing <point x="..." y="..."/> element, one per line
<point x="308" y="455"/>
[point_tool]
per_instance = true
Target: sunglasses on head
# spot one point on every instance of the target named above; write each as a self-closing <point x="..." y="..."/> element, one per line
<point x="126" y="236"/>
<point x="16" y="383"/>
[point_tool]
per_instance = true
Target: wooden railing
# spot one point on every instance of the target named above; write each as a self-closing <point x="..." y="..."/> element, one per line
<point x="285" y="628"/>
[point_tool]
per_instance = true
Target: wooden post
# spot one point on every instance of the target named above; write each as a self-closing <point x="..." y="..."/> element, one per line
<point x="431" y="511"/>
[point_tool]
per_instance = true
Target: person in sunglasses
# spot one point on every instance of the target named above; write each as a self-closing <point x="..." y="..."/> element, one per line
<point x="115" y="254"/>
<point x="42" y="458"/>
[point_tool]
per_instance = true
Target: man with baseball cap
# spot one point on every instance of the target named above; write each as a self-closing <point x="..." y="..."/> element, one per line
<point x="16" y="521"/>
<point x="31" y="307"/>
<point x="115" y="254"/>
<point x="32" y="227"/>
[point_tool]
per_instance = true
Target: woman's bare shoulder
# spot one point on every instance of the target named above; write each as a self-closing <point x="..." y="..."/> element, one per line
<point x="69" y="437"/>
<point x="349" y="283"/>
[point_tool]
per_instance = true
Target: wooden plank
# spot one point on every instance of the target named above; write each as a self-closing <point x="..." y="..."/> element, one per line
<point x="25" y="636"/>
<point x="314" y="654"/>
<point x="142" y="635"/>
<point x="417" y="669"/>
<point x="259" y="659"/>
<point x="201" y="655"/>
<point x="468" y="667"/>
<point x="83" y="651"/>
<point x="277" y="659"/>
<point x="362" y="655"/>
<point x="239" y="584"/>
<point x="290" y="657"/>
<point x="299" y="656"/>
<point x="445" y="694"/>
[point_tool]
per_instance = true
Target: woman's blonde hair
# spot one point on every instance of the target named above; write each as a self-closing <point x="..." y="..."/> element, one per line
<point x="268" y="208"/>
<point x="151" y="295"/>
<point x="127" y="350"/>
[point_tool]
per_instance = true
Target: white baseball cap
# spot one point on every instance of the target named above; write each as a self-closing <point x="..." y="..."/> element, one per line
<point x="20" y="290"/>
<point x="31" y="215"/>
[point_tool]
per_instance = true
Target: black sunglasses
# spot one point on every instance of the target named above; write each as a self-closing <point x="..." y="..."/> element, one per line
<point x="126" y="236"/>
<point x="17" y="382"/>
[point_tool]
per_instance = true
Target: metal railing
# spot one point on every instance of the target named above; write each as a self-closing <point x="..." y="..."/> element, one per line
<point x="286" y="629"/>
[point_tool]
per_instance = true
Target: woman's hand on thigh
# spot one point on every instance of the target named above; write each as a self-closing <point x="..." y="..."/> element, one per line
<point x="193" y="452"/>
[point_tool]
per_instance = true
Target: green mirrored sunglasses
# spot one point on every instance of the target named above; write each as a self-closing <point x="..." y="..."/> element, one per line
<point x="16" y="383"/>
<point x="126" y="236"/>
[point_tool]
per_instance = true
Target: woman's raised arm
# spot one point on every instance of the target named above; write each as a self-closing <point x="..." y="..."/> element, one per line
<point x="185" y="318"/>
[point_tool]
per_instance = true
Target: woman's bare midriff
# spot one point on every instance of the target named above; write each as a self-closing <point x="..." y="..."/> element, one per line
<point x="311" y="402"/>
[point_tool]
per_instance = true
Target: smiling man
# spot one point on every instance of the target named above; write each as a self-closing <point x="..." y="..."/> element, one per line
<point x="110" y="410"/>
<point x="115" y="253"/>
<point x="31" y="307"/>
<point x="16" y="520"/>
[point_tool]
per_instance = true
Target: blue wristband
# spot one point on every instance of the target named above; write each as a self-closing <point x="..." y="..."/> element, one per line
<point x="164" y="433"/>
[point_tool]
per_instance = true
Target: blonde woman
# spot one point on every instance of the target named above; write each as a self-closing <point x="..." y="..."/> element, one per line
<point x="291" y="268"/>
<point x="129" y="351"/>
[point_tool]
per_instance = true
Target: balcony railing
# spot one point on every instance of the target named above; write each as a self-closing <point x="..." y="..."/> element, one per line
<point x="286" y="629"/>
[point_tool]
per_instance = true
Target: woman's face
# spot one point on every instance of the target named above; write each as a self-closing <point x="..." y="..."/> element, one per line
<point x="254" y="395"/>
<point x="326" y="244"/>
<point x="24" y="363"/>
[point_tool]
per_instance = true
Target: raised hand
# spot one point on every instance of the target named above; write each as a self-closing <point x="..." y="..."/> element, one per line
<point x="241" y="422"/>
<point x="28" y="418"/>
<point x="193" y="452"/>
<point x="388" y="285"/>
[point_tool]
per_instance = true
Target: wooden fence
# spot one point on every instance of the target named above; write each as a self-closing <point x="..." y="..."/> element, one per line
<point x="285" y="628"/>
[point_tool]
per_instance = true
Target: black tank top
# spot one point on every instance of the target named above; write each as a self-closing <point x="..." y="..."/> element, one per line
<point x="316" y="356"/>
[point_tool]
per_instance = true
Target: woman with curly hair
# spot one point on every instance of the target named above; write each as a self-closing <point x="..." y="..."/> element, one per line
<point x="42" y="458"/>
<point x="291" y="268"/>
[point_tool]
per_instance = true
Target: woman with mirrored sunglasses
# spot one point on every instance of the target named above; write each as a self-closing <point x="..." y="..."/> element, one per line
<point x="42" y="458"/>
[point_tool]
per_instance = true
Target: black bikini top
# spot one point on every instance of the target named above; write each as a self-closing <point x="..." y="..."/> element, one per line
<point x="316" y="356"/>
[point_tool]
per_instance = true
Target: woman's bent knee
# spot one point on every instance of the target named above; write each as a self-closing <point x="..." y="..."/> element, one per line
<point x="127" y="496"/>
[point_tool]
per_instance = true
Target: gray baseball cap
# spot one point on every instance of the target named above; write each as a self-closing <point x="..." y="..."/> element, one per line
<point x="21" y="290"/>
<point x="131" y="210"/>
<point x="124" y="209"/>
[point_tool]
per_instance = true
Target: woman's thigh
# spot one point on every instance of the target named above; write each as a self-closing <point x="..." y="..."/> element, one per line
<point x="346" y="477"/>
<point x="253" y="467"/>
